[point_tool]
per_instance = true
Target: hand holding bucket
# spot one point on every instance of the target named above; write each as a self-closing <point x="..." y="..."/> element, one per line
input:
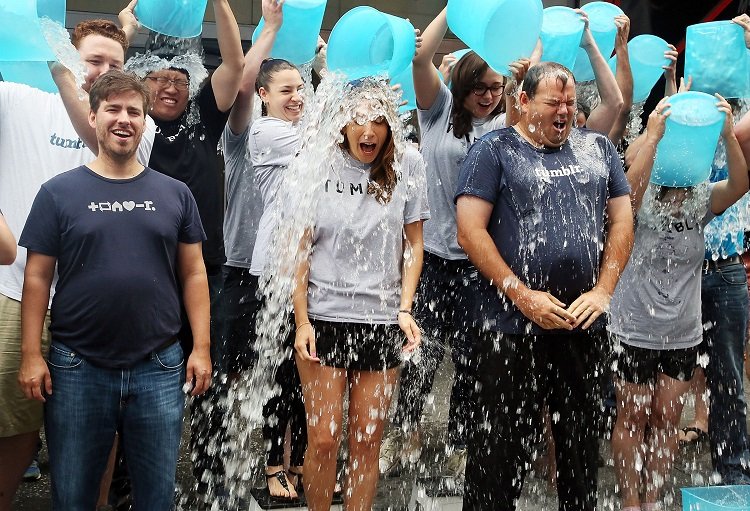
<point x="499" y="31"/>
<point x="175" y="18"/>
<point x="367" y="42"/>
<point x="604" y="30"/>
<point x="297" y="38"/>
<point x="647" y="63"/>
<point x="562" y="29"/>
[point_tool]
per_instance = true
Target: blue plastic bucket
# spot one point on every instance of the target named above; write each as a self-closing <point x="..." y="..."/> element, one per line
<point x="562" y="28"/>
<point x="367" y="42"/>
<point x="34" y="74"/>
<point x="406" y="79"/>
<point x="686" y="151"/>
<point x="500" y="31"/>
<point x="175" y="18"/>
<point x="647" y="59"/>
<point x="21" y="36"/>
<point x="716" y="498"/>
<point x="53" y="9"/>
<point x="298" y="36"/>
<point x="716" y="58"/>
<point x="603" y="28"/>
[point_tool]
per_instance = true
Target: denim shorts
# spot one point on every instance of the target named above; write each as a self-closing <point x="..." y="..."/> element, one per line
<point x="358" y="346"/>
<point x="642" y="365"/>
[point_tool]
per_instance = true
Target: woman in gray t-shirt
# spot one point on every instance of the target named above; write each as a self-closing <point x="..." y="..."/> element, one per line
<point x="354" y="292"/>
<point x="655" y="313"/>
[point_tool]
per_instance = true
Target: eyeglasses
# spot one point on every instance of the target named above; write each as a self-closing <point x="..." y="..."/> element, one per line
<point x="481" y="89"/>
<point x="162" y="81"/>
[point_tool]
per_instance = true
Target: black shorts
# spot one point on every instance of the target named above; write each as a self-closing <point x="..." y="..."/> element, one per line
<point x="358" y="346"/>
<point x="642" y="365"/>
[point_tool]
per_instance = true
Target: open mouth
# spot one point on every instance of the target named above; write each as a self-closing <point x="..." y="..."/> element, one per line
<point x="169" y="101"/>
<point x="560" y="125"/>
<point x="294" y="108"/>
<point x="368" y="149"/>
<point x="121" y="134"/>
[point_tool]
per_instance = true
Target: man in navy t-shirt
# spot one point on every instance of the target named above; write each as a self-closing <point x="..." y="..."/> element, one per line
<point x="544" y="214"/>
<point x="125" y="240"/>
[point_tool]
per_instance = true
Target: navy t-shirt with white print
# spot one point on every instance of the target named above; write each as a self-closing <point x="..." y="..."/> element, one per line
<point x="548" y="219"/>
<point x="115" y="241"/>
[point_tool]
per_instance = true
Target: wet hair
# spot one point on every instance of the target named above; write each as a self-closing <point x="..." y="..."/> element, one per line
<point x="543" y="70"/>
<point x="465" y="75"/>
<point x="268" y="69"/>
<point x="383" y="177"/>
<point x="114" y="83"/>
<point x="104" y="28"/>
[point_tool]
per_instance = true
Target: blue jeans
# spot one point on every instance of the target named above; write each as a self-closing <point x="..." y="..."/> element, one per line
<point x="88" y="404"/>
<point x="725" y="309"/>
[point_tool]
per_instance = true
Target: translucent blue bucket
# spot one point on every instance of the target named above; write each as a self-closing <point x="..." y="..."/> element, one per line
<point x="367" y="42"/>
<point x="21" y="36"/>
<point x="500" y="31"/>
<point x="686" y="151"/>
<point x="175" y="18"/>
<point x="298" y="36"/>
<point x="53" y="9"/>
<point x="716" y="58"/>
<point x="603" y="28"/>
<point x="406" y="79"/>
<point x="562" y="29"/>
<point x="647" y="58"/>
<point x="34" y="74"/>
<point x="716" y="498"/>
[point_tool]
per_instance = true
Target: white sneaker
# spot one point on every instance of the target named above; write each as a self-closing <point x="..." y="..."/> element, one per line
<point x="455" y="464"/>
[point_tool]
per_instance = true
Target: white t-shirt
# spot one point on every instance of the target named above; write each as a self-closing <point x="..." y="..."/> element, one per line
<point x="37" y="142"/>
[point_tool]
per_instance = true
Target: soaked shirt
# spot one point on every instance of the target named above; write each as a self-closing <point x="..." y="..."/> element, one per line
<point x="273" y="143"/>
<point x="358" y="243"/>
<point x="443" y="154"/>
<point x="725" y="234"/>
<point x="548" y="220"/>
<point x="657" y="302"/>
<point x="115" y="241"/>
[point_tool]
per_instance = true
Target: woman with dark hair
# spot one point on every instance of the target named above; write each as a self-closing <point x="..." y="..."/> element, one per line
<point x="450" y="121"/>
<point x="355" y="284"/>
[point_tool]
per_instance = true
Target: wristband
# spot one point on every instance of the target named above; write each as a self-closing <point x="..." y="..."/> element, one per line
<point x="303" y="324"/>
<point x="405" y="311"/>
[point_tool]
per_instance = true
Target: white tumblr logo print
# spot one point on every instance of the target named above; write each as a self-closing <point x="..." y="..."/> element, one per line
<point x="117" y="206"/>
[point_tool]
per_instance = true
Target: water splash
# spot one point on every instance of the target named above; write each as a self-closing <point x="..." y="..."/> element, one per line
<point x="145" y="63"/>
<point x="67" y="54"/>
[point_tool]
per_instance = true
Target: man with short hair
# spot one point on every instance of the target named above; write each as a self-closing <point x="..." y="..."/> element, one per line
<point x="37" y="142"/>
<point x="544" y="214"/>
<point x="126" y="241"/>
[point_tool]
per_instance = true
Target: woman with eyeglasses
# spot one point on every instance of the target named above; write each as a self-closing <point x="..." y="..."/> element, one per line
<point x="451" y="120"/>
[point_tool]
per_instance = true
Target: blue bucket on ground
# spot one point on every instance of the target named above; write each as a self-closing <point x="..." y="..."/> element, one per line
<point x="647" y="59"/>
<point x="298" y="36"/>
<point x="21" y="36"/>
<point x="367" y="42"/>
<point x="175" y="18"/>
<point x="406" y="79"/>
<point x="716" y="58"/>
<point x="500" y="31"/>
<point x="562" y="29"/>
<point x="603" y="28"/>
<point x="34" y="74"/>
<point x="686" y="151"/>
<point x="716" y="498"/>
<point x="53" y="9"/>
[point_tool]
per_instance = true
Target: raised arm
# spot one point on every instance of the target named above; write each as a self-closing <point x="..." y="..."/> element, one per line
<point x="243" y="105"/>
<point x="473" y="217"/>
<point x="76" y="104"/>
<point x="639" y="172"/>
<point x="623" y="77"/>
<point x="426" y="80"/>
<point x="128" y="21"/>
<point x="33" y="375"/>
<point x="226" y="79"/>
<point x="727" y="192"/>
<point x="603" y="116"/>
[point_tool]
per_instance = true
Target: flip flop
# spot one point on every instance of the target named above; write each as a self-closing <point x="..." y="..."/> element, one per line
<point x="281" y="477"/>
<point x="700" y="435"/>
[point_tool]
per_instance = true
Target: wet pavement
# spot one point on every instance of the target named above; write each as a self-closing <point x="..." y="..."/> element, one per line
<point x="692" y="468"/>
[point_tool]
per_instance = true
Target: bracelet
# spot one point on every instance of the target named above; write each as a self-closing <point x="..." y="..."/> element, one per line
<point x="405" y="311"/>
<point x="303" y="324"/>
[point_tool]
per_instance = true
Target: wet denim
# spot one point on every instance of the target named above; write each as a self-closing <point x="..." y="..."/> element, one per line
<point x="88" y="404"/>
<point x="443" y="309"/>
<point x="725" y="314"/>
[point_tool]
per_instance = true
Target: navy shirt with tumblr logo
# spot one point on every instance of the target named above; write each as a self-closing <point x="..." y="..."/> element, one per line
<point x="549" y="215"/>
<point x="116" y="242"/>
